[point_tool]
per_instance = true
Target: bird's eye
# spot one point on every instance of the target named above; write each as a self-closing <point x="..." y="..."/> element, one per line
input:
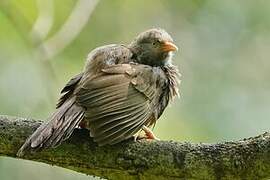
<point x="154" y="43"/>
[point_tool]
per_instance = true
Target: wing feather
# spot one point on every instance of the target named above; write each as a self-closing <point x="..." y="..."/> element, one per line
<point x="118" y="102"/>
<point x="121" y="133"/>
<point x="123" y="119"/>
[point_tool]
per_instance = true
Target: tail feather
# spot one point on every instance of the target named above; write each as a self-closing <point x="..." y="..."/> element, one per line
<point x="57" y="129"/>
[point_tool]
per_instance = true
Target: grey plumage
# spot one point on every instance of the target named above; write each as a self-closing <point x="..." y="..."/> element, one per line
<point x="119" y="91"/>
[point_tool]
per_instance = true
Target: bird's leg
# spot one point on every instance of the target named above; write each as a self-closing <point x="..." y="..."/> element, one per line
<point x="149" y="134"/>
<point x="138" y="136"/>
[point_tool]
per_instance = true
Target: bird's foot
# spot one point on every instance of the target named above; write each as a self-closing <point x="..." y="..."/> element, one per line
<point x="149" y="134"/>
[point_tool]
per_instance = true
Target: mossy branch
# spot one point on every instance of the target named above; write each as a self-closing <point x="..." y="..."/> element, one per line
<point x="244" y="159"/>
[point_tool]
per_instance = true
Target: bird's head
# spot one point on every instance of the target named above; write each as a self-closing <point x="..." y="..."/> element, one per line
<point x="153" y="47"/>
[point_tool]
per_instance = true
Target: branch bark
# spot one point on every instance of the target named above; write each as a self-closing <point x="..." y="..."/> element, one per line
<point x="244" y="159"/>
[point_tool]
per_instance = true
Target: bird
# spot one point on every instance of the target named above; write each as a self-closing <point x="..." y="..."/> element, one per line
<point x="122" y="90"/>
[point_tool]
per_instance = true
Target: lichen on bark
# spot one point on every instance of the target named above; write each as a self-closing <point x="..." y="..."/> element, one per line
<point x="244" y="159"/>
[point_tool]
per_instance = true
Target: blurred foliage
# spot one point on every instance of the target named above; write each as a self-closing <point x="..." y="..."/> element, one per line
<point x="224" y="59"/>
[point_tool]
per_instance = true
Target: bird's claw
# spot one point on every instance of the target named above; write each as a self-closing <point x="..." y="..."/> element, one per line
<point x="149" y="135"/>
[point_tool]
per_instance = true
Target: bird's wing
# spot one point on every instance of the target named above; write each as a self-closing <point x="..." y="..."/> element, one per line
<point x="119" y="101"/>
<point x="68" y="90"/>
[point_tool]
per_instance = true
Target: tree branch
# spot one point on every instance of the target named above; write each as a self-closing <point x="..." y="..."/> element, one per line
<point x="245" y="159"/>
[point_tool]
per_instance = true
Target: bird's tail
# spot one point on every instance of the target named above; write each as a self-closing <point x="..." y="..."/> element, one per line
<point x="58" y="128"/>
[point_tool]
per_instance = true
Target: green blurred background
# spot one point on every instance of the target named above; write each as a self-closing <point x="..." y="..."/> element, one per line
<point x="223" y="58"/>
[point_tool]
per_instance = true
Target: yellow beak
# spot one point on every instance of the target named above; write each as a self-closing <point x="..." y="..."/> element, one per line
<point x="169" y="46"/>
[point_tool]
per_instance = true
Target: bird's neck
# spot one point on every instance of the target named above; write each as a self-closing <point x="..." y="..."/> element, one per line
<point x="173" y="76"/>
<point x="137" y="54"/>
